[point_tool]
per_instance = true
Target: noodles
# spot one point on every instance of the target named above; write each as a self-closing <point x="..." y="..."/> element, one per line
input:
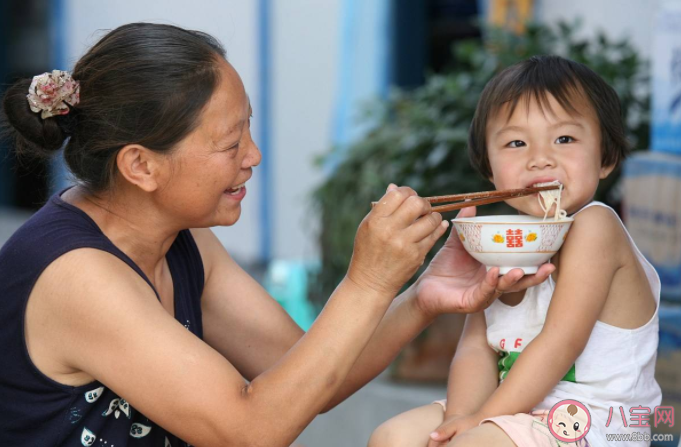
<point x="548" y="198"/>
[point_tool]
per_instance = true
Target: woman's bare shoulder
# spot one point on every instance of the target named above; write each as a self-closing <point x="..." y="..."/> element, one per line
<point x="213" y="254"/>
<point x="84" y="268"/>
<point x="76" y="293"/>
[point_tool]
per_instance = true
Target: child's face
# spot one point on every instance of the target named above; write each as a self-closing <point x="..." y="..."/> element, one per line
<point x="538" y="146"/>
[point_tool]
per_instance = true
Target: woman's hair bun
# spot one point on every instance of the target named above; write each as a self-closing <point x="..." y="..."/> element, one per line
<point x="31" y="134"/>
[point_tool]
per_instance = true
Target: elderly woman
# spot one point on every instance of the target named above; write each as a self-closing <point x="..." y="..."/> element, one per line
<point x="123" y="320"/>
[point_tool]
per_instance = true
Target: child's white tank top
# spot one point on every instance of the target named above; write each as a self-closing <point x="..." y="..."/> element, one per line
<point x="616" y="368"/>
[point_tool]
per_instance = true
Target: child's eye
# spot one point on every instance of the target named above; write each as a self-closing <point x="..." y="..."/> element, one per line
<point x="516" y="143"/>
<point x="564" y="139"/>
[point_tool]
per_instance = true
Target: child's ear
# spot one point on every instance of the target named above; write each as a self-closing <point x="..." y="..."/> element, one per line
<point x="606" y="170"/>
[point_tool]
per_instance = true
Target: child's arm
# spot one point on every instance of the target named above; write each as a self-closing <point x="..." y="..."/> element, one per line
<point x="474" y="374"/>
<point x="473" y="377"/>
<point x="589" y="259"/>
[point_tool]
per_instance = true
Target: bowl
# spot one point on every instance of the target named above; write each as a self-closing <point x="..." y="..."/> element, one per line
<point x="509" y="242"/>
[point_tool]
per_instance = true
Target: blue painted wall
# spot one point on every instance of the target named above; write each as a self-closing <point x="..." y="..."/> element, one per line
<point x="265" y="127"/>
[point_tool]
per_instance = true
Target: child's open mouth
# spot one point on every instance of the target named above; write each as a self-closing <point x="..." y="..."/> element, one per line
<point x="555" y="182"/>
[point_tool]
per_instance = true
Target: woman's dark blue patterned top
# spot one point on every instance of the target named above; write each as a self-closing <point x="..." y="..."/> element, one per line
<point x="36" y="411"/>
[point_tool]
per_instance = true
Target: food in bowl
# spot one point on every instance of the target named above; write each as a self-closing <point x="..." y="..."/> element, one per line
<point x="509" y="242"/>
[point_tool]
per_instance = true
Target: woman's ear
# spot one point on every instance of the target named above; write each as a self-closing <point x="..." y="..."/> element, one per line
<point x="140" y="166"/>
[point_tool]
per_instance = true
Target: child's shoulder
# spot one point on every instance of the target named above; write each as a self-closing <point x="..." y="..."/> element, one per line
<point x="598" y="213"/>
<point x="594" y="229"/>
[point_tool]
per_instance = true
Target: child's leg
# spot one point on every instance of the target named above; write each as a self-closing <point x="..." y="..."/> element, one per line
<point x="486" y="434"/>
<point x="409" y="429"/>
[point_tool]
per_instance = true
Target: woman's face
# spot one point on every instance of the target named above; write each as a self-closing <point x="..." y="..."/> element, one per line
<point x="209" y="168"/>
<point x="538" y="145"/>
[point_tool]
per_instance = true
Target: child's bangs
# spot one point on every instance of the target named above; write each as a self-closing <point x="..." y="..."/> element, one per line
<point x="536" y="86"/>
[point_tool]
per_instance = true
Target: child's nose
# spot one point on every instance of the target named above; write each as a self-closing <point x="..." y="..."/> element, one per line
<point x="541" y="159"/>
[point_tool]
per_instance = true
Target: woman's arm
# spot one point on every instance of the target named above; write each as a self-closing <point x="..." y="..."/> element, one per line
<point x="240" y="319"/>
<point x="118" y="333"/>
<point x="589" y="259"/>
<point x="255" y="333"/>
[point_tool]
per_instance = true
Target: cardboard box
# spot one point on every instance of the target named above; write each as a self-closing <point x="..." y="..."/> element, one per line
<point x="652" y="214"/>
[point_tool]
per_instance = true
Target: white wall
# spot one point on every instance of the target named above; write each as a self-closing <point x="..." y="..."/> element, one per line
<point x="618" y="18"/>
<point x="304" y="39"/>
<point x="305" y="50"/>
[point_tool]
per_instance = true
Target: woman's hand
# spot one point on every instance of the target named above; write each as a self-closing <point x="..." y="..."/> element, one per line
<point x="452" y="426"/>
<point x="393" y="239"/>
<point x="454" y="282"/>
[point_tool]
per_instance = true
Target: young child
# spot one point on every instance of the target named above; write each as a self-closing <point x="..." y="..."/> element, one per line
<point x="588" y="335"/>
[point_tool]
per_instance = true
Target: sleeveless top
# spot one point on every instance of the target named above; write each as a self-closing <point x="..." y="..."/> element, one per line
<point x="34" y="409"/>
<point x="616" y="368"/>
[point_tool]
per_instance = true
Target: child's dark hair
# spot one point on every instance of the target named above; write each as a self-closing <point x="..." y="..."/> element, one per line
<point x="536" y="78"/>
<point x="141" y="83"/>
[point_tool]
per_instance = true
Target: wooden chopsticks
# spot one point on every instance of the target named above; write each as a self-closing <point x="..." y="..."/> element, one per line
<point x="481" y="198"/>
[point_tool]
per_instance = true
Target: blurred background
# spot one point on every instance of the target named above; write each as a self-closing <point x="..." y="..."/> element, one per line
<point x="349" y="95"/>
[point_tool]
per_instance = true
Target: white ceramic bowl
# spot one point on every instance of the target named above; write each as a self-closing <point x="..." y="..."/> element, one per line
<point x="508" y="242"/>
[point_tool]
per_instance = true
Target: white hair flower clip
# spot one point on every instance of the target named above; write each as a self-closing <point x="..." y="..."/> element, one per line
<point x="53" y="93"/>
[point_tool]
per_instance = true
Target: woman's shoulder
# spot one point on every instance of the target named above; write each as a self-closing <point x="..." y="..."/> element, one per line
<point x="205" y="239"/>
<point x="212" y="252"/>
<point x="229" y="275"/>
<point x="97" y="261"/>
<point x="87" y="275"/>
<point x="64" y="252"/>
<point x="87" y="303"/>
